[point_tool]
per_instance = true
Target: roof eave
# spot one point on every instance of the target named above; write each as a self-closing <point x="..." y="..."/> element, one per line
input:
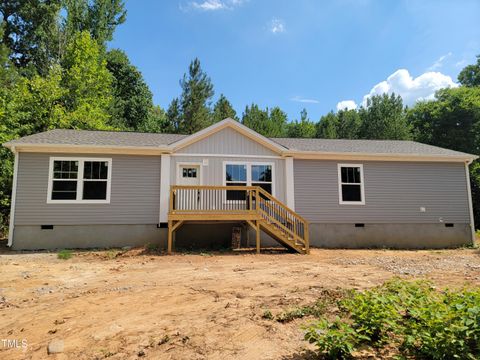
<point x="319" y="155"/>
<point x="88" y="149"/>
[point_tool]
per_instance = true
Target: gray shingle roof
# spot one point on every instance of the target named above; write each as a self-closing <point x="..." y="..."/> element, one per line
<point x="133" y="139"/>
<point x="99" y="138"/>
<point x="365" y="146"/>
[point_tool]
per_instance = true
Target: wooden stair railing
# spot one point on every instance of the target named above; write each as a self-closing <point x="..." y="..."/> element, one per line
<point x="283" y="222"/>
<point x="251" y="203"/>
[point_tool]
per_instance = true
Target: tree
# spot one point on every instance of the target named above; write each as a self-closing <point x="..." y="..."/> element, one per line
<point x="451" y="121"/>
<point x="30" y="33"/>
<point x="383" y="117"/>
<point x="303" y="128"/>
<point x="156" y="122"/>
<point x="173" y="116"/>
<point x="256" y="119"/>
<point x="197" y="90"/>
<point x="98" y="17"/>
<point x="223" y="109"/>
<point x="87" y="83"/>
<point x="132" y="99"/>
<point x="327" y="126"/>
<point x="277" y="122"/>
<point x="470" y="75"/>
<point x="270" y="123"/>
<point x="348" y="124"/>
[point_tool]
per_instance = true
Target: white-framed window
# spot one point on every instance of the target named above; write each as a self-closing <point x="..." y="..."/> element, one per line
<point x="351" y="184"/>
<point x="247" y="174"/>
<point x="79" y="180"/>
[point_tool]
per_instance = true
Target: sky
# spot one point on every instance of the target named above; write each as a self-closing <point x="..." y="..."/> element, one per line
<point x="312" y="54"/>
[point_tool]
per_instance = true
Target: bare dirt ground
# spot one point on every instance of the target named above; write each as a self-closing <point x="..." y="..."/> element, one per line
<point x="132" y="304"/>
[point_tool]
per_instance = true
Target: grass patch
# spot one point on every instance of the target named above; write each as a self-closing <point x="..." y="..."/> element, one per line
<point x="411" y="317"/>
<point x="316" y="310"/>
<point x="64" y="254"/>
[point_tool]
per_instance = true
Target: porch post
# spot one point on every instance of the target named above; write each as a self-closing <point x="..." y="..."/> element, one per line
<point x="289" y="183"/>
<point x="258" y="236"/>
<point x="170" y="236"/>
<point x="164" y="188"/>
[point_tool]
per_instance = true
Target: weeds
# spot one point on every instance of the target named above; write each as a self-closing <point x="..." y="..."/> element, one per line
<point x="64" y="254"/>
<point x="414" y="317"/>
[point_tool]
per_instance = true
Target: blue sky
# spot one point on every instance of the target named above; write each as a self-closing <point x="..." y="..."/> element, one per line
<point x="305" y="53"/>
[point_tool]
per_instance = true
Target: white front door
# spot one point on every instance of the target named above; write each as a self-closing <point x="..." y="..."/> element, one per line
<point x="189" y="174"/>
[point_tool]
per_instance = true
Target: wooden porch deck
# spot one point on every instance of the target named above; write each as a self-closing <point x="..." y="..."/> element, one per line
<point x="250" y="204"/>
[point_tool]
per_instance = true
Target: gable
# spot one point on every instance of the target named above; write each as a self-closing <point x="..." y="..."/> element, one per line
<point x="227" y="141"/>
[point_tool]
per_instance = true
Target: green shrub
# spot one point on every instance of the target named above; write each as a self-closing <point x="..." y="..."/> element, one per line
<point x="64" y="254"/>
<point x="412" y="316"/>
<point x="337" y="339"/>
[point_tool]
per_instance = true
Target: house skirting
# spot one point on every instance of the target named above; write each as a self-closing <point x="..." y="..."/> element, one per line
<point x="397" y="236"/>
<point x="33" y="237"/>
<point x="198" y="236"/>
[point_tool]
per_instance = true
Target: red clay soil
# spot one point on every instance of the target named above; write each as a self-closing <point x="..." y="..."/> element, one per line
<point x="132" y="304"/>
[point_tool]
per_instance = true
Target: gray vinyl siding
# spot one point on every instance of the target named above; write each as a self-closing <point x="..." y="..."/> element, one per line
<point x="212" y="174"/>
<point x="135" y="193"/>
<point x="394" y="193"/>
<point x="227" y="141"/>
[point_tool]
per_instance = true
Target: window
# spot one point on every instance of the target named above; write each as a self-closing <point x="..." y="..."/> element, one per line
<point x="189" y="172"/>
<point x="262" y="176"/>
<point x="79" y="180"/>
<point x="350" y="184"/>
<point x="247" y="174"/>
<point x="236" y="175"/>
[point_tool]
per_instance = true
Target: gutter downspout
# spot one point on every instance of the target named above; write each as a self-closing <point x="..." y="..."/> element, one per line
<point x="13" y="198"/>
<point x="470" y="204"/>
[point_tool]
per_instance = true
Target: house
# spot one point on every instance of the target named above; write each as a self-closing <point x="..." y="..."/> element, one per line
<point x="90" y="189"/>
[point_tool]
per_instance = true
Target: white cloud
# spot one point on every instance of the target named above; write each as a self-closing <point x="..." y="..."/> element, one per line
<point x="303" y="100"/>
<point x="213" y="5"/>
<point x="277" y="26"/>
<point x="412" y="89"/>
<point x="346" y="104"/>
<point x="439" y="63"/>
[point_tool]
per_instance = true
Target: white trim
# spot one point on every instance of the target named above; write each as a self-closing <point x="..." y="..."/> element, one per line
<point x="11" y="225"/>
<point x="228" y="123"/>
<point x="249" y="172"/>
<point x="164" y="188"/>
<point x="80" y="180"/>
<point x="470" y="204"/>
<point x="289" y="183"/>
<point x="354" y="156"/>
<point x="229" y="156"/>
<point x="189" y="163"/>
<point x="362" y="185"/>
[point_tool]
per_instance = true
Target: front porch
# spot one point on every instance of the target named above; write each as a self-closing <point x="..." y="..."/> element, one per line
<point x="250" y="204"/>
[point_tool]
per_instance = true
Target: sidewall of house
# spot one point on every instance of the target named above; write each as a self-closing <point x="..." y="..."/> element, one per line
<point x="129" y="219"/>
<point x="396" y="193"/>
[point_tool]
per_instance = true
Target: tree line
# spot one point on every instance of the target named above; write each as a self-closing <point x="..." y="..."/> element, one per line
<point x="57" y="72"/>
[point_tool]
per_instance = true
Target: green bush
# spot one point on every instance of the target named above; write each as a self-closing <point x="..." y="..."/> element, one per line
<point x="337" y="339"/>
<point x="64" y="254"/>
<point x="412" y="316"/>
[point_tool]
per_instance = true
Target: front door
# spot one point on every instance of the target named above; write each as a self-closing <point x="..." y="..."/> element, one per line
<point x="189" y="175"/>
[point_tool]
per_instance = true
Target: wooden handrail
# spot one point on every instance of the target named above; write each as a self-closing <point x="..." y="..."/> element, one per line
<point x="210" y="199"/>
<point x="271" y="198"/>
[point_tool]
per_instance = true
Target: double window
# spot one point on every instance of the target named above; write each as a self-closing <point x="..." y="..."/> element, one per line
<point x="350" y="184"/>
<point x="247" y="174"/>
<point x="79" y="180"/>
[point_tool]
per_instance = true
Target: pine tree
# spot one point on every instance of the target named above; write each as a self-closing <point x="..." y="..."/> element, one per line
<point x="223" y="109"/>
<point x="197" y="90"/>
<point x="303" y="128"/>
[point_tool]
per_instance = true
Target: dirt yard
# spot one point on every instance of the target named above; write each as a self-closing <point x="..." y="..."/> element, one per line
<point x="134" y="304"/>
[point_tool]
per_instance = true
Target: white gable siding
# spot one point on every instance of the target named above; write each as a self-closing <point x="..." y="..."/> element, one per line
<point x="227" y="142"/>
